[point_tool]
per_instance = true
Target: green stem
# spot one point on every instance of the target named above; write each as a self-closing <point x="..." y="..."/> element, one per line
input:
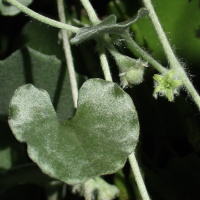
<point x="90" y="11"/>
<point x="137" y="50"/>
<point x="111" y="48"/>
<point x="190" y="88"/>
<point x="68" y="54"/>
<point x="105" y="65"/>
<point x="102" y="54"/>
<point x="108" y="77"/>
<point x="138" y="177"/>
<point x="132" y="159"/>
<point x="42" y="18"/>
<point x="173" y="61"/>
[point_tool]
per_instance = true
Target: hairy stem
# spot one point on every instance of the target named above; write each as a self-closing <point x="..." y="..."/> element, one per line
<point x="136" y="49"/>
<point x="108" y="77"/>
<point x="105" y="65"/>
<point x="90" y="11"/>
<point x="102" y="54"/>
<point x="173" y="61"/>
<point x="190" y="88"/>
<point x="68" y="54"/>
<point x="42" y="18"/>
<point x="138" y="177"/>
<point x="132" y="159"/>
<point x="111" y="48"/>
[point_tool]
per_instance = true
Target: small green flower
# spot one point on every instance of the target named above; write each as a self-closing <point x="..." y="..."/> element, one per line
<point x="166" y="85"/>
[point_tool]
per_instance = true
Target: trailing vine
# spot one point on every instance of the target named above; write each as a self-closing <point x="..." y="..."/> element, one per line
<point x="105" y="128"/>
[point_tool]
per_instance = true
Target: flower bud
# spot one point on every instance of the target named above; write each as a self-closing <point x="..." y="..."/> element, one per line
<point x="134" y="76"/>
<point x="132" y="72"/>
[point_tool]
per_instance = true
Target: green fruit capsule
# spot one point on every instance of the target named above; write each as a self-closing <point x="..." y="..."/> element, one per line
<point x="131" y="70"/>
<point x="134" y="76"/>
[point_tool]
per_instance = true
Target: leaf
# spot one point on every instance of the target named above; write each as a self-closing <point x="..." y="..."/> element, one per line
<point x="180" y="20"/>
<point x="34" y="35"/>
<point x="107" y="26"/>
<point x="87" y="33"/>
<point x="9" y="10"/>
<point x="96" y="141"/>
<point x="47" y="72"/>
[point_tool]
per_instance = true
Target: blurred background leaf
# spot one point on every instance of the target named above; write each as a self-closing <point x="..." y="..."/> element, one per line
<point x="181" y="22"/>
<point x="8" y="10"/>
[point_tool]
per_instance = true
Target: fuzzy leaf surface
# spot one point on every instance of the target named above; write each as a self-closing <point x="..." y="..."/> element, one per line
<point x="9" y="10"/>
<point x="44" y="71"/>
<point x="96" y="141"/>
<point x="107" y="26"/>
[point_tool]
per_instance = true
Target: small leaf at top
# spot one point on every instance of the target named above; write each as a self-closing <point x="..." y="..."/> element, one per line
<point x="87" y="33"/>
<point x="107" y="26"/>
<point x="96" y="141"/>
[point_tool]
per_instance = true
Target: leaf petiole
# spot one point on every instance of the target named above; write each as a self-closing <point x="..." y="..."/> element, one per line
<point x="68" y="54"/>
<point x="138" y="177"/>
